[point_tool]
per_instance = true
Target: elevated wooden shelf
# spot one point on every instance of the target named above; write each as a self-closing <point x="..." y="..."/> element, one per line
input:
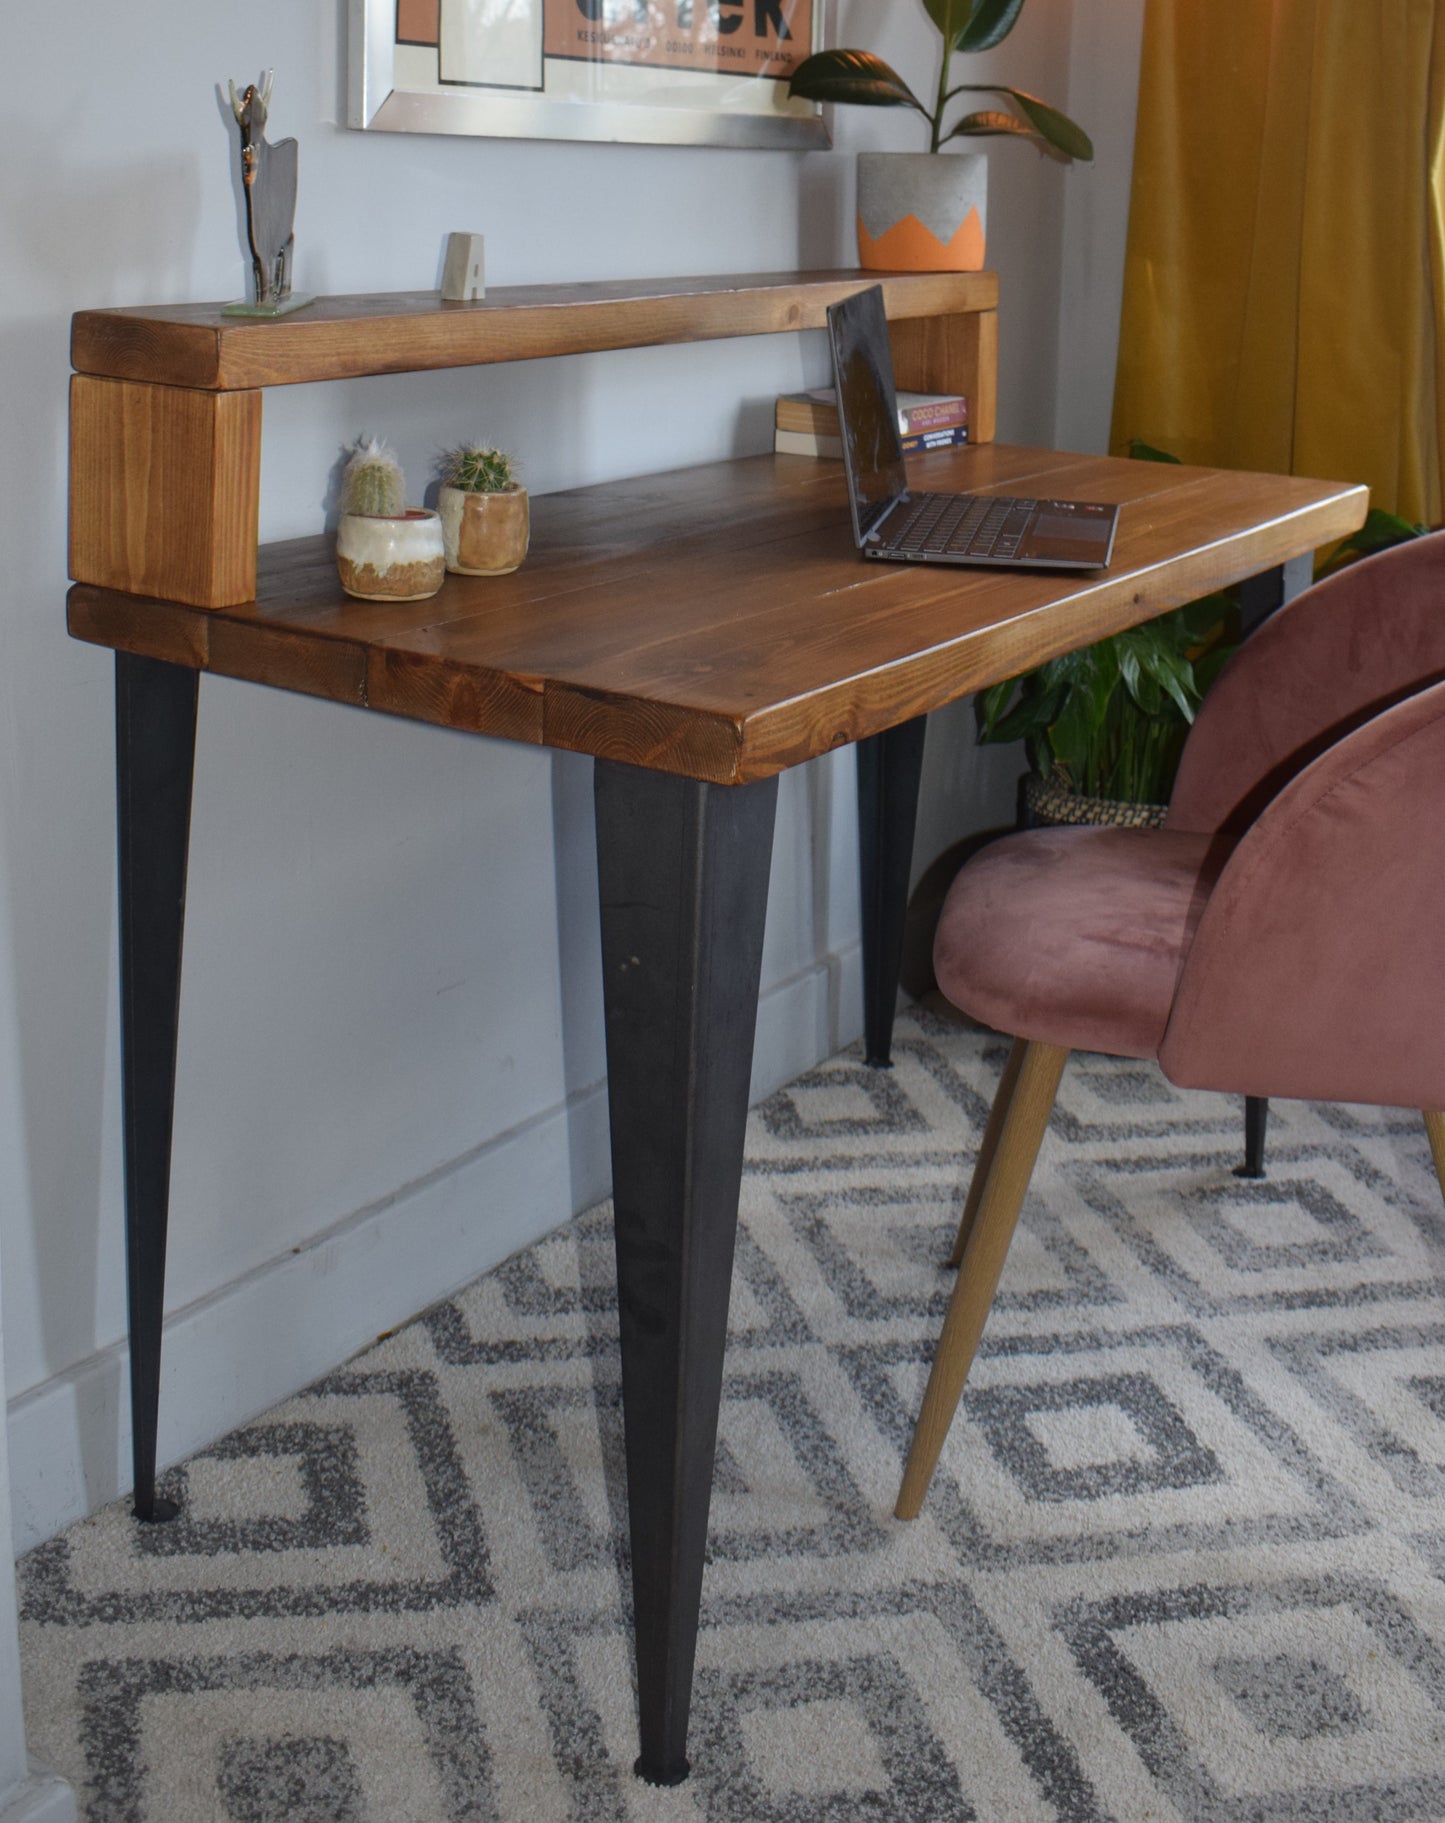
<point x="165" y="441"/>
<point x="339" y="338"/>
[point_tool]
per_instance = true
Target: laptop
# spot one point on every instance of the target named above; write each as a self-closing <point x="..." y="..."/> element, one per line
<point x="898" y="525"/>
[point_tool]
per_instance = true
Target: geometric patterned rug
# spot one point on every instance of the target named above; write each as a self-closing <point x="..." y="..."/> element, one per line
<point x="1183" y="1559"/>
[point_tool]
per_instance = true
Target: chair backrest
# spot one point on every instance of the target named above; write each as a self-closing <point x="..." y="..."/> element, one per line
<point x="1325" y="662"/>
<point x="1316" y="970"/>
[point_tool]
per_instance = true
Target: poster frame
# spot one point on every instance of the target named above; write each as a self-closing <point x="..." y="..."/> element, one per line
<point x="377" y="102"/>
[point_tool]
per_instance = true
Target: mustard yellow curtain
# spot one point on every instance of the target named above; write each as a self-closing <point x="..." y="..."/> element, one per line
<point x="1284" y="297"/>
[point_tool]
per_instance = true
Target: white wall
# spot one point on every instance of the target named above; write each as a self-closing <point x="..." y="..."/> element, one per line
<point x="1103" y="93"/>
<point x="391" y="1052"/>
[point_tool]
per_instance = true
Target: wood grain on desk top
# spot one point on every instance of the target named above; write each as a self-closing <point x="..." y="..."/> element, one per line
<point x="717" y="621"/>
<point x="408" y="332"/>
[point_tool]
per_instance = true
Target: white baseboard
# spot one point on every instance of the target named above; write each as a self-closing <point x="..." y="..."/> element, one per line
<point x="251" y="1343"/>
<point x="43" y="1798"/>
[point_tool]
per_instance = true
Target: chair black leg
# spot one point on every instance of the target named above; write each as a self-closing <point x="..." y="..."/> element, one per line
<point x="890" y="766"/>
<point x="1256" y="1119"/>
<point x="155" y="741"/>
<point x="683" y="872"/>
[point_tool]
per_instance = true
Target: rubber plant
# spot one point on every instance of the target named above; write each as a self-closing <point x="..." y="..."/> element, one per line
<point x="858" y="78"/>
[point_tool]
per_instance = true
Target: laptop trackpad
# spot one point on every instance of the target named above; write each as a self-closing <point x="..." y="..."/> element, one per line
<point x="1065" y="532"/>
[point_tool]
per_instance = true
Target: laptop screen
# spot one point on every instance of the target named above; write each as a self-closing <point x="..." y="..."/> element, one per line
<point x="863" y="374"/>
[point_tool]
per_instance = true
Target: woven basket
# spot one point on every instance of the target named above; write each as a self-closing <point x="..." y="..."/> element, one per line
<point x="1052" y="801"/>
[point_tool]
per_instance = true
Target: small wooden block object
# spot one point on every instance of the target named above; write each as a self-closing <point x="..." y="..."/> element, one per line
<point x="464" y="276"/>
<point x="164" y="490"/>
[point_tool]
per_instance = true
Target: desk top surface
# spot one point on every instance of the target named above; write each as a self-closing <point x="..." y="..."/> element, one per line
<point x="717" y="622"/>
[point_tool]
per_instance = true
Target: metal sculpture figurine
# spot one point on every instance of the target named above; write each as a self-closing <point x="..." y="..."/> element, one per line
<point x="268" y="174"/>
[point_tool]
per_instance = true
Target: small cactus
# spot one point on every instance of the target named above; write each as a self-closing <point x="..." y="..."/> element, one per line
<point x="372" y="482"/>
<point x="478" y="471"/>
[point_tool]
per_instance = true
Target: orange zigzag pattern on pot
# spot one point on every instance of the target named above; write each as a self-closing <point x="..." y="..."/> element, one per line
<point x="910" y="247"/>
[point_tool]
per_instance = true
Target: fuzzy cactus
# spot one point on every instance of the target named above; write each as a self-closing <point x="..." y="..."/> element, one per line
<point x="478" y="471"/>
<point x="372" y="482"/>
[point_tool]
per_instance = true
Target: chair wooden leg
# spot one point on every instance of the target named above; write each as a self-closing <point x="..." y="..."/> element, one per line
<point x="1029" y="1107"/>
<point x="1435" y="1127"/>
<point x="988" y="1146"/>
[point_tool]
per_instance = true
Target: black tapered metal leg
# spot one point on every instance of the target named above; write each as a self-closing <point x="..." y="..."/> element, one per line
<point x="1259" y="597"/>
<point x="890" y="766"/>
<point x="683" y="872"/>
<point x="155" y="743"/>
<point x="1256" y="1118"/>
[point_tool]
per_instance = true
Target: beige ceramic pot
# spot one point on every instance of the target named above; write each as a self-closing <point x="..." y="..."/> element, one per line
<point x="382" y="559"/>
<point x="485" y="534"/>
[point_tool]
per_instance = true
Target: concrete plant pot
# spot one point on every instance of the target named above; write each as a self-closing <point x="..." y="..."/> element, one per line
<point x="922" y="211"/>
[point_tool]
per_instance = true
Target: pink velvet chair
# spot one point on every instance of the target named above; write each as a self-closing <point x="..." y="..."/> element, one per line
<point x="1280" y="936"/>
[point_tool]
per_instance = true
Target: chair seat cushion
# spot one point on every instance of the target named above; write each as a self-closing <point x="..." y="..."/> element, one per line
<point x="1075" y="936"/>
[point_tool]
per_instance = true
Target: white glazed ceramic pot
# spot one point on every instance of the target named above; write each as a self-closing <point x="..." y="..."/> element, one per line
<point x="484" y="534"/>
<point x="380" y="559"/>
<point x="922" y="211"/>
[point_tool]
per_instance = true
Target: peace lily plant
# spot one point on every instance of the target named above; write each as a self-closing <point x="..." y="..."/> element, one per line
<point x="859" y="78"/>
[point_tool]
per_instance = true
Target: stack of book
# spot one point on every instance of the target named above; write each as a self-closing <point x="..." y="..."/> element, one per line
<point x="806" y="423"/>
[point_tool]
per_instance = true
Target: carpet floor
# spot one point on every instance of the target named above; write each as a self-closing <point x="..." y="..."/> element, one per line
<point x="1183" y="1561"/>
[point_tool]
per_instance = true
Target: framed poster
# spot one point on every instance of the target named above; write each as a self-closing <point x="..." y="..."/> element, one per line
<point x="669" y="72"/>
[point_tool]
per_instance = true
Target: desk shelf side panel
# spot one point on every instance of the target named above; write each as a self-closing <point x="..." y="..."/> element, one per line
<point x="165" y="490"/>
<point x="957" y="353"/>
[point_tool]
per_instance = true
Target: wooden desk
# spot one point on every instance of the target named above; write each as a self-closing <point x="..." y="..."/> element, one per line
<point x="697" y="632"/>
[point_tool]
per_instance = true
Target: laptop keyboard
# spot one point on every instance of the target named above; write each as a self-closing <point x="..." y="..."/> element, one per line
<point x="963" y="525"/>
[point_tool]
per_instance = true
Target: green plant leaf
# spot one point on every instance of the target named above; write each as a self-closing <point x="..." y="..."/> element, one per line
<point x="951" y="17"/>
<point x="1030" y="716"/>
<point x="992" y="121"/>
<point x="1380" y="531"/>
<point x="1146" y="452"/>
<point x="991" y="23"/>
<point x="991" y="705"/>
<point x="1101" y="682"/>
<point x="1071" y="739"/>
<point x="1174" y="678"/>
<point x="1207" y="669"/>
<point x="974" y="25"/>
<point x="1144" y="688"/>
<point x="1042" y="121"/>
<point x="1061" y="132"/>
<point x="852" y="76"/>
<point x="1205" y="618"/>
